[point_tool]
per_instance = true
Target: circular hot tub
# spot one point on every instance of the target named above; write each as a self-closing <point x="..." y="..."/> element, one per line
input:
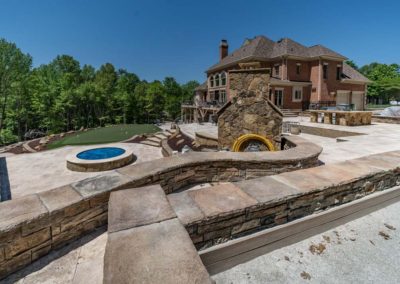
<point x="100" y="159"/>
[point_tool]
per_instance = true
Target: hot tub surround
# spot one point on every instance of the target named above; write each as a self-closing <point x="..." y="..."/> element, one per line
<point x="74" y="163"/>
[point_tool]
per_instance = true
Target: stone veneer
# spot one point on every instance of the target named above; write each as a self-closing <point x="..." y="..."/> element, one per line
<point x="33" y="225"/>
<point x="386" y="119"/>
<point x="249" y="111"/>
<point x="146" y="242"/>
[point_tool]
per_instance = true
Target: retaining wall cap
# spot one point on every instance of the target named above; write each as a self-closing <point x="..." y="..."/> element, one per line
<point x="59" y="198"/>
<point x="266" y="189"/>
<point x="384" y="161"/>
<point x="101" y="183"/>
<point x="157" y="253"/>
<point x="304" y="181"/>
<point x="185" y="207"/>
<point x="220" y="199"/>
<point x="19" y="211"/>
<point x="137" y="207"/>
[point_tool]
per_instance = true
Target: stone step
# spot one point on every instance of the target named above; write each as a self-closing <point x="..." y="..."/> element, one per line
<point x="150" y="143"/>
<point x="154" y="139"/>
<point x="147" y="243"/>
<point x="161" y="135"/>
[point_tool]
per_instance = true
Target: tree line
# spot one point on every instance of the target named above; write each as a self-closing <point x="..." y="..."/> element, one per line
<point x="62" y="95"/>
<point x="385" y="86"/>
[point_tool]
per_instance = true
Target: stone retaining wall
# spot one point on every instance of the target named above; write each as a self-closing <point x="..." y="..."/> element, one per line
<point x="205" y="140"/>
<point x="326" y="132"/>
<point x="33" y="225"/>
<point x="386" y="119"/>
<point x="254" y="205"/>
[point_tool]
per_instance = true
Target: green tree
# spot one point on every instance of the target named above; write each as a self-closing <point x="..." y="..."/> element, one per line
<point x="352" y="64"/>
<point x="155" y="100"/>
<point x="14" y="74"/>
<point x="174" y="97"/>
<point x="385" y="80"/>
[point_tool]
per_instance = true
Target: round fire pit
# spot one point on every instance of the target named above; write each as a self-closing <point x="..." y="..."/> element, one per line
<point x="252" y="143"/>
<point x="100" y="159"/>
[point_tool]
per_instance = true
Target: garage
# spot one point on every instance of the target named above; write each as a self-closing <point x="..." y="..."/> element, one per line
<point x="343" y="97"/>
<point x="357" y="99"/>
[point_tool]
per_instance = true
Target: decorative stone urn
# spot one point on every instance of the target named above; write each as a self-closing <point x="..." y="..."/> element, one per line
<point x="249" y="112"/>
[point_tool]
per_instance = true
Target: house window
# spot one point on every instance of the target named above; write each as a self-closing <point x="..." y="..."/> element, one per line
<point x="211" y="81"/>
<point x="298" y="65"/>
<point x="223" y="79"/>
<point x="338" y="72"/>
<point x="222" y="97"/>
<point x="276" y="70"/>
<point x="297" y="94"/>
<point x="216" y="78"/>
<point x="325" y="71"/>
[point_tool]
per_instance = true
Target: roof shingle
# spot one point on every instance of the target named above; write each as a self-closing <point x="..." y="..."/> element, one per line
<point x="262" y="47"/>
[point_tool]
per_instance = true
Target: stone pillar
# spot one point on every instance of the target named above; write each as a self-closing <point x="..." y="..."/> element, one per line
<point x="328" y="118"/>
<point x="314" y="117"/>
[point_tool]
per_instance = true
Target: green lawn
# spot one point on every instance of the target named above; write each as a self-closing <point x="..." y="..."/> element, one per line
<point x="114" y="133"/>
<point x="371" y="106"/>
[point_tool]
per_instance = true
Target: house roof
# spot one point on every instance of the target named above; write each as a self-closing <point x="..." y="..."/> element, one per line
<point x="262" y="47"/>
<point x="352" y="74"/>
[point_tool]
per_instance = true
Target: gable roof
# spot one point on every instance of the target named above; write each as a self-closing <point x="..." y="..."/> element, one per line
<point x="262" y="47"/>
<point x="350" y="73"/>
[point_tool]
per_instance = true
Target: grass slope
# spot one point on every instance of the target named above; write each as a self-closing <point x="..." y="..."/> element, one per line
<point x="114" y="133"/>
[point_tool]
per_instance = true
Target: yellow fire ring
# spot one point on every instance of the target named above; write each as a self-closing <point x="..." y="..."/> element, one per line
<point x="239" y="142"/>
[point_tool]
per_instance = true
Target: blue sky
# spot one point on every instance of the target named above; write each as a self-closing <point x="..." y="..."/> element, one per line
<point x="155" y="39"/>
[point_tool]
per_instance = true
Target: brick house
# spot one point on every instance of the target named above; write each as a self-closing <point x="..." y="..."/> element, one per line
<point x="301" y="77"/>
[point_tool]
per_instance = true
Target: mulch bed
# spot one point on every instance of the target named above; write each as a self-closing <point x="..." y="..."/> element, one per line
<point x="17" y="150"/>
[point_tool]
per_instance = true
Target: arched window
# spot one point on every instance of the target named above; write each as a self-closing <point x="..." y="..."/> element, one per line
<point x="216" y="78"/>
<point x="223" y="79"/>
<point x="211" y="81"/>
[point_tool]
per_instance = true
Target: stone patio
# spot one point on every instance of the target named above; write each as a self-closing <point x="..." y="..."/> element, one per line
<point x="379" y="138"/>
<point x="36" y="172"/>
<point x="372" y="238"/>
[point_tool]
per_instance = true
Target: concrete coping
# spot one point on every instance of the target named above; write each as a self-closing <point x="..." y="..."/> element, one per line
<point x="206" y="135"/>
<point x="211" y="203"/>
<point x="147" y="243"/>
<point x="76" y="164"/>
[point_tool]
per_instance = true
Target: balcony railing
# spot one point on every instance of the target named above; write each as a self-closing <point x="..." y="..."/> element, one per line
<point x="212" y="104"/>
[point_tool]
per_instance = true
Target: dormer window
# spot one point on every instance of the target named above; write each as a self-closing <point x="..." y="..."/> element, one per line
<point x="298" y="66"/>
<point x="223" y="79"/>
<point x="216" y="78"/>
<point x="211" y="81"/>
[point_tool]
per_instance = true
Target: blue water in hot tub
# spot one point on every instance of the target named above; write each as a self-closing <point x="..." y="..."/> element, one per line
<point x="101" y="153"/>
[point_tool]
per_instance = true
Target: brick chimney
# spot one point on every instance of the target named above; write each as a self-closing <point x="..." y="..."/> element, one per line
<point x="223" y="49"/>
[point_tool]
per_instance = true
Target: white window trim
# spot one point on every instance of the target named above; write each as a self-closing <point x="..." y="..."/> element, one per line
<point x="297" y="88"/>
<point x="220" y="76"/>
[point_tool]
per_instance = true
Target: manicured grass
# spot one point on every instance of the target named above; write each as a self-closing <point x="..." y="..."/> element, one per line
<point x="371" y="106"/>
<point x="114" y="133"/>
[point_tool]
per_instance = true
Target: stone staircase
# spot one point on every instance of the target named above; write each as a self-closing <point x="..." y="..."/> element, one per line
<point x="291" y="112"/>
<point x="155" y="139"/>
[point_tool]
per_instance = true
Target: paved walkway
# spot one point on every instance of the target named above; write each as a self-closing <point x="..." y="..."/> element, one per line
<point x="36" y="172"/>
<point x="379" y="138"/>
